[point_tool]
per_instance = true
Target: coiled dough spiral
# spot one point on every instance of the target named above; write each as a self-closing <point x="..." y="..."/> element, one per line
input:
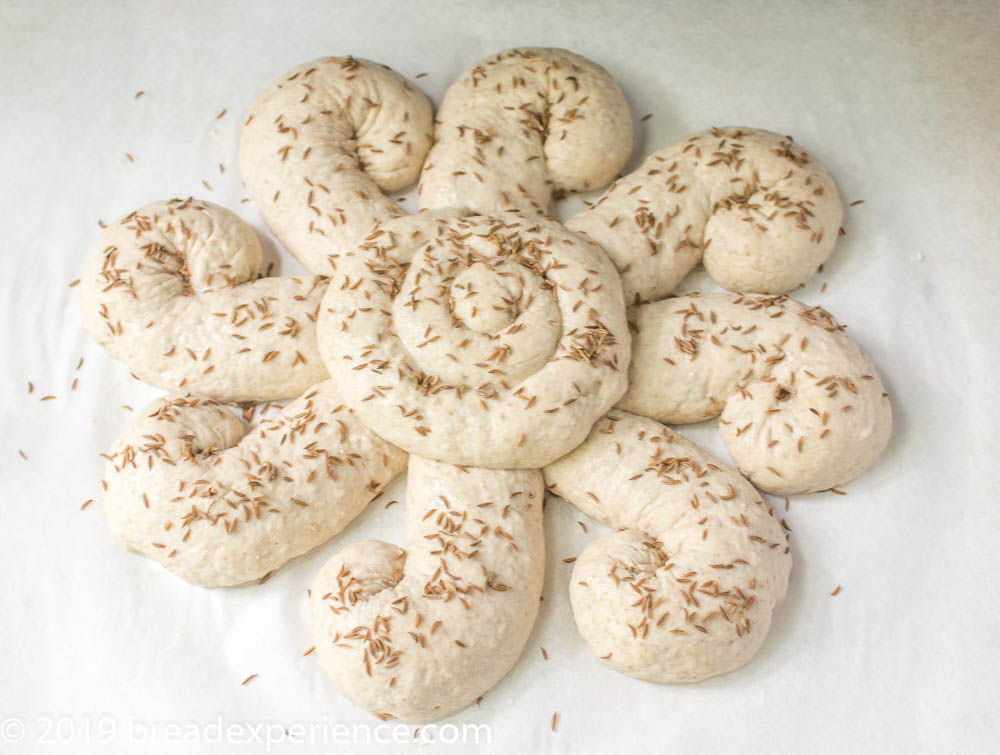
<point x="491" y="341"/>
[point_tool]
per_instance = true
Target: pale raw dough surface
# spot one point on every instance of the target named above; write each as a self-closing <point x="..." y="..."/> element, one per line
<point x="422" y="631"/>
<point x="172" y="290"/>
<point x="685" y="589"/>
<point x="757" y="209"/>
<point x="521" y="124"/>
<point x="490" y="340"/>
<point x="801" y="407"/>
<point x="322" y="143"/>
<point x="188" y="487"/>
<point x="897" y="99"/>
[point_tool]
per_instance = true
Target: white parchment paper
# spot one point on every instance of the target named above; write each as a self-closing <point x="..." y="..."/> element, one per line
<point x="105" y="651"/>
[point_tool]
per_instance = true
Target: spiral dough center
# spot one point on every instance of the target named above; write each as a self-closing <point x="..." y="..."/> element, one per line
<point x="471" y="315"/>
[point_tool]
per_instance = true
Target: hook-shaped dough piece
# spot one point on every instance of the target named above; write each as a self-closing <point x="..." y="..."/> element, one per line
<point x="172" y="290"/>
<point x="753" y="206"/>
<point x="521" y="124"/>
<point x="420" y="632"/>
<point x="322" y="143"/>
<point x="686" y="588"/>
<point x="802" y="407"/>
<point x="188" y="487"/>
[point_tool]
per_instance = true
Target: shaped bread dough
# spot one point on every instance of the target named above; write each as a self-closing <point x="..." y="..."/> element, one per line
<point x="320" y="146"/>
<point x="420" y="632"/>
<point x="756" y="209"/>
<point x="686" y="588"/>
<point x="189" y="488"/>
<point x="802" y="407"/>
<point x="491" y="341"/>
<point x="520" y="124"/>
<point x="172" y="290"/>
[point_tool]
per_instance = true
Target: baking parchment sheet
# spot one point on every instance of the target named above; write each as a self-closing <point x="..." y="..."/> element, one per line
<point x="105" y="651"/>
